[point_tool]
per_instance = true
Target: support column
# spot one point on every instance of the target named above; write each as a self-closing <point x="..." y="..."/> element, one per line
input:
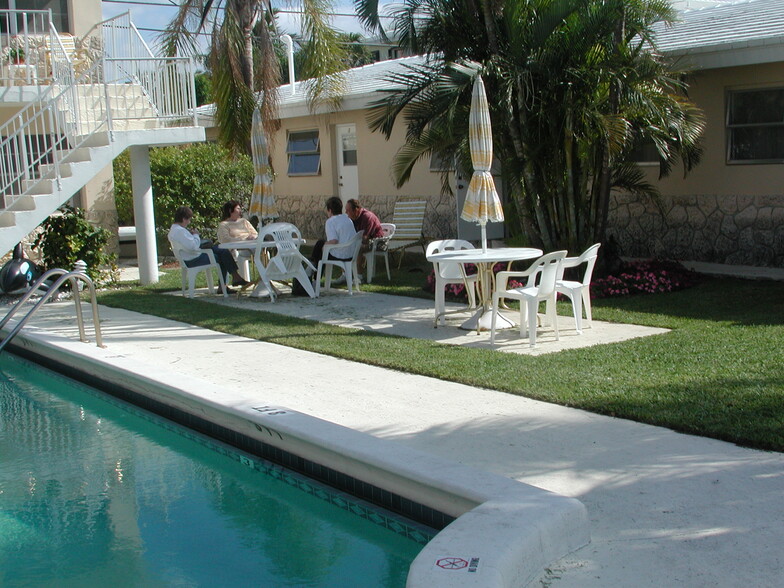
<point x="143" y="214"/>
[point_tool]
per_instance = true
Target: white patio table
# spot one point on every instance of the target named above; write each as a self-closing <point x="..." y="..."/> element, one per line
<point x="484" y="261"/>
<point x="250" y="245"/>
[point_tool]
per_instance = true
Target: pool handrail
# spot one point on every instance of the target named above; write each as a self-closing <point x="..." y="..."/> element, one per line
<point x="65" y="275"/>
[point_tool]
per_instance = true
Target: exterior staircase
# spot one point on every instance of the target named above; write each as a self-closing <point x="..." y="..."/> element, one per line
<point x="74" y="125"/>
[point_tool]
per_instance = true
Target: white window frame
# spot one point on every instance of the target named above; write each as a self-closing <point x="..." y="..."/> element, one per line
<point x="295" y="153"/>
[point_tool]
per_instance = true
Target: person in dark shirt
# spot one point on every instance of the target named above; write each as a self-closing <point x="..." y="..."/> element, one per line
<point x="365" y="221"/>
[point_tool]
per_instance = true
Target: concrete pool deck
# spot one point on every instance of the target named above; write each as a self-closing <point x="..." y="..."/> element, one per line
<point x="665" y="508"/>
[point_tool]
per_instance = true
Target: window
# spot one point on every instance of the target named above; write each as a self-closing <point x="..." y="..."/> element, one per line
<point x="304" y="155"/>
<point x="755" y="126"/>
<point x="645" y="153"/>
<point x="437" y="163"/>
<point x="59" y="10"/>
<point x="348" y="147"/>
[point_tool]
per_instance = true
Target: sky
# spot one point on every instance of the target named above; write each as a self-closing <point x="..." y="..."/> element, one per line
<point x="157" y="17"/>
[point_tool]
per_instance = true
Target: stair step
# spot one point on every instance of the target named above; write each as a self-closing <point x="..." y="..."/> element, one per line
<point x="77" y="155"/>
<point x="26" y="202"/>
<point x="7" y="219"/>
<point x="47" y="170"/>
<point x="100" y="139"/>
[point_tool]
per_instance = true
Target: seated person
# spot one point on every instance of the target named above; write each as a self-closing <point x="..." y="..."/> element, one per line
<point x="233" y="227"/>
<point x="339" y="229"/>
<point x="180" y="234"/>
<point x="364" y="220"/>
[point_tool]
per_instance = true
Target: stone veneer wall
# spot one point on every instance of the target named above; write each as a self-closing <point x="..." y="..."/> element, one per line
<point x="735" y="230"/>
<point x="308" y="213"/>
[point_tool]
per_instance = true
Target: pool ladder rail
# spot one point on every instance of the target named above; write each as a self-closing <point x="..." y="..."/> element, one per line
<point x="74" y="277"/>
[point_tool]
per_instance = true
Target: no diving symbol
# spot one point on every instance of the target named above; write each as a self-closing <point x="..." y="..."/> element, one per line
<point x="452" y="563"/>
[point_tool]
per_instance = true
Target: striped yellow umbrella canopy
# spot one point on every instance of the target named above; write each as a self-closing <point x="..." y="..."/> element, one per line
<point x="482" y="204"/>
<point x="262" y="200"/>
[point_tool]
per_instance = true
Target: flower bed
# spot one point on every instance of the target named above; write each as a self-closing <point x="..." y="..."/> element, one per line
<point x="644" y="277"/>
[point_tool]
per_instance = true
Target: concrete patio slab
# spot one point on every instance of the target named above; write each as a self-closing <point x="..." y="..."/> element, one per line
<point x="413" y="318"/>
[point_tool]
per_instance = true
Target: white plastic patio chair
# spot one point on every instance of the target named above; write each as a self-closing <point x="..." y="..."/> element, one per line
<point x="540" y="286"/>
<point x="379" y="247"/>
<point x="189" y="274"/>
<point x="349" y="267"/>
<point x="450" y="272"/>
<point x="243" y="258"/>
<point x="579" y="292"/>
<point x="277" y="257"/>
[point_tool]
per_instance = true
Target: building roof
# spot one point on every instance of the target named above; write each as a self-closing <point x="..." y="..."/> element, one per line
<point x="727" y="34"/>
<point x="361" y="85"/>
<point x="744" y="32"/>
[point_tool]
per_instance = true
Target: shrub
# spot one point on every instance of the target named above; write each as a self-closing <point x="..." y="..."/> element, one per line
<point x="202" y="176"/>
<point x="68" y="237"/>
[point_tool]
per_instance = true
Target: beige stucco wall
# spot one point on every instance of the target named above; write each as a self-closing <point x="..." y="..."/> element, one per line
<point x="720" y="212"/>
<point x="301" y="198"/>
<point x="714" y="176"/>
<point x="83" y="15"/>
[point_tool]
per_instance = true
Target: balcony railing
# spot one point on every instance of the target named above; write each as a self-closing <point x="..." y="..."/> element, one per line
<point x="118" y="84"/>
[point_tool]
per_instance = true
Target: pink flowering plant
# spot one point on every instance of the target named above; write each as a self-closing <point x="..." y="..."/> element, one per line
<point x="640" y="277"/>
<point x="457" y="292"/>
<point x="644" y="277"/>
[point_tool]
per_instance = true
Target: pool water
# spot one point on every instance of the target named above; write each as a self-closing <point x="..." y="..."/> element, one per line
<point x="94" y="492"/>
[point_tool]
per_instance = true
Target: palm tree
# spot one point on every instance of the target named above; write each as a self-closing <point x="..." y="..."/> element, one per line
<point x="356" y="55"/>
<point x="574" y="86"/>
<point x="242" y="58"/>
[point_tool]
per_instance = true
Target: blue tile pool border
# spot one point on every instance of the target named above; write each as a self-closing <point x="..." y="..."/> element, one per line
<point x="274" y="460"/>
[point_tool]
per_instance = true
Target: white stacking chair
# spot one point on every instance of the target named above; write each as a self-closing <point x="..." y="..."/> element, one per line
<point x="277" y="257"/>
<point x="579" y="292"/>
<point x="189" y="274"/>
<point x="450" y="272"/>
<point x="540" y="286"/>
<point x="379" y="247"/>
<point x="243" y="257"/>
<point x="349" y="267"/>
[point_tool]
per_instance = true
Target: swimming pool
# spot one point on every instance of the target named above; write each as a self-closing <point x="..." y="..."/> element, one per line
<point x="94" y="491"/>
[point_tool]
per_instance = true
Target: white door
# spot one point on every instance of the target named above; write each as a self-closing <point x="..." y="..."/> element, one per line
<point x="348" y="175"/>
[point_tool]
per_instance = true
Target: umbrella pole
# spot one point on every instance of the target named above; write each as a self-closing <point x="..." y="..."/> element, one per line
<point x="484" y="236"/>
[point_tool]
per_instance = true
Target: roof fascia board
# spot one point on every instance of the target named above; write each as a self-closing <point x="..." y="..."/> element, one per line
<point x="755" y="52"/>
<point x="349" y="103"/>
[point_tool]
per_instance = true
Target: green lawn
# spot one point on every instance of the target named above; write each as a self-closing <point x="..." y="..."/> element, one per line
<point x="719" y="373"/>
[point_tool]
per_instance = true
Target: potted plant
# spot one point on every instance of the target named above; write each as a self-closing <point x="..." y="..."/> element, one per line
<point x="16" y="55"/>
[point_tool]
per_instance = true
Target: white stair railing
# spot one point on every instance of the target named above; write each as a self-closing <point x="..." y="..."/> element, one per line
<point x="120" y="83"/>
<point x="26" y="34"/>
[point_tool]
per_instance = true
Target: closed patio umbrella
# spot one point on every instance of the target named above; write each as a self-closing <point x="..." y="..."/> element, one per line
<point x="482" y="204"/>
<point x="262" y="200"/>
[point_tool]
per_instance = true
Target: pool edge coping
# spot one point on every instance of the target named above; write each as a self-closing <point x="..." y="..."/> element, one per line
<point x="505" y="532"/>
